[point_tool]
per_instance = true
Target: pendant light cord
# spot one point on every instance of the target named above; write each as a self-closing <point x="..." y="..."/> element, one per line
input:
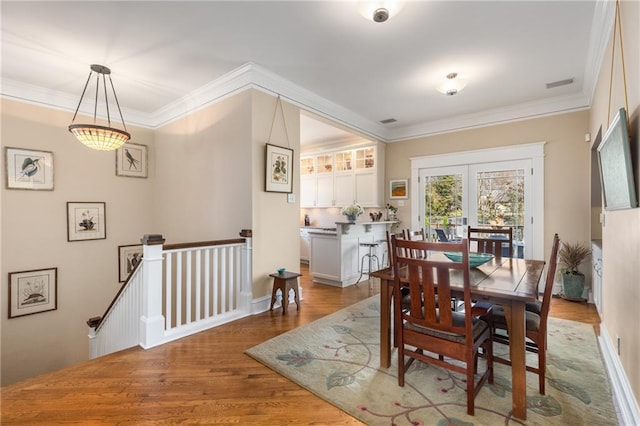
<point x="284" y="123"/>
<point x="617" y="26"/>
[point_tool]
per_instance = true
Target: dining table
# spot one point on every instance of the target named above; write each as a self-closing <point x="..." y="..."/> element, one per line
<point x="509" y="282"/>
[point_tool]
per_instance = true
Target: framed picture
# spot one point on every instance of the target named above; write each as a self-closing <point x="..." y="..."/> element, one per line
<point x="131" y="160"/>
<point x="128" y="258"/>
<point x="32" y="292"/>
<point x="279" y="169"/>
<point x="86" y="221"/>
<point x="399" y="188"/>
<point x="28" y="169"/>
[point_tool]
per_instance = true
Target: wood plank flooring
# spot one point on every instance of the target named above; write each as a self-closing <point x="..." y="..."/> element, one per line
<point x="205" y="378"/>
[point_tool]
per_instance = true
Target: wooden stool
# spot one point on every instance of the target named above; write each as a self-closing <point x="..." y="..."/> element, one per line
<point x="285" y="281"/>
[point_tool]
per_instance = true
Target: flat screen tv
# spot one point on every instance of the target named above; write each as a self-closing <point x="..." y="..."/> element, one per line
<point x="616" y="170"/>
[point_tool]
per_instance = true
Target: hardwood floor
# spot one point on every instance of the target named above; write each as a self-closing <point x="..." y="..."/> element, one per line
<point x="205" y="378"/>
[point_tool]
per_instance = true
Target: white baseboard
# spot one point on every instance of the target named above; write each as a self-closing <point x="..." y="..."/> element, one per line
<point x="628" y="411"/>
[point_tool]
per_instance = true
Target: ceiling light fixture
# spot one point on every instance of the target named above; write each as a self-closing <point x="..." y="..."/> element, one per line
<point x="101" y="138"/>
<point x="379" y="10"/>
<point x="380" y="15"/>
<point x="452" y="85"/>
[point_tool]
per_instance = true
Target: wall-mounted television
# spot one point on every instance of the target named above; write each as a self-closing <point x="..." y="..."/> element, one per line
<point x="616" y="169"/>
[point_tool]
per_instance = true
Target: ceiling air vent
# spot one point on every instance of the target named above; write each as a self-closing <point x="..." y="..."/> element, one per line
<point x="559" y="83"/>
<point x="388" y="120"/>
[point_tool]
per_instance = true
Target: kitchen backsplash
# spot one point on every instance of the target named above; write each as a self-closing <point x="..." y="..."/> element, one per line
<point x="327" y="217"/>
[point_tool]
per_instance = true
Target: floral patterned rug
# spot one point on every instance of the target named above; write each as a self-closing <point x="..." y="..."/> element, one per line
<point x="337" y="358"/>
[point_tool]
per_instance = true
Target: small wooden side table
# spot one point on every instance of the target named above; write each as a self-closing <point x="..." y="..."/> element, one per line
<point x="285" y="281"/>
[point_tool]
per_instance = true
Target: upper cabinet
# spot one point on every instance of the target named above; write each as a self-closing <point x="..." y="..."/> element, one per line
<point x="341" y="177"/>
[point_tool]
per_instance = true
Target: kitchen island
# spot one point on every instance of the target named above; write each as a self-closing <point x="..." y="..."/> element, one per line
<point x="335" y="254"/>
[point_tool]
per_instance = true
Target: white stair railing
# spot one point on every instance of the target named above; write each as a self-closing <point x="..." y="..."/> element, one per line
<point x="178" y="290"/>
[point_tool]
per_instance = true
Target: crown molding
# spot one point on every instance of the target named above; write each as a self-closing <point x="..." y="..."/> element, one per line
<point x="254" y="76"/>
<point x="601" y="29"/>
<point x="524" y="111"/>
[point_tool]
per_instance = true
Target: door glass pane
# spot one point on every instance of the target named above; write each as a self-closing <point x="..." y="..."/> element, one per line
<point x="443" y="205"/>
<point x="501" y="202"/>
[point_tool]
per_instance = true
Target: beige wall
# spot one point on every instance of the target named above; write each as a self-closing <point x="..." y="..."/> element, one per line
<point x="203" y="185"/>
<point x="275" y="221"/>
<point x="206" y="182"/>
<point x="566" y="166"/>
<point x="621" y="233"/>
<point x="34" y="236"/>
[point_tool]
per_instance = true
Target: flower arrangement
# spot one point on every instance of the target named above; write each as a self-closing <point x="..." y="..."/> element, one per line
<point x="392" y="209"/>
<point x="354" y="209"/>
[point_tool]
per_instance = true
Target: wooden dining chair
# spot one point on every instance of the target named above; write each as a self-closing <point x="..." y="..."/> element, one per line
<point x="429" y="325"/>
<point x="536" y="324"/>
<point x="490" y="240"/>
<point x="416" y="235"/>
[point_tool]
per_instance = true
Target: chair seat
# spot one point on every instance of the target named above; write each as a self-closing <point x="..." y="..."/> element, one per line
<point x="532" y="320"/>
<point x="479" y="326"/>
<point x="535" y="307"/>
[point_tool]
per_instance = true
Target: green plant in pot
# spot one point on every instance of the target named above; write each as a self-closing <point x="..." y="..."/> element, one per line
<point x="570" y="257"/>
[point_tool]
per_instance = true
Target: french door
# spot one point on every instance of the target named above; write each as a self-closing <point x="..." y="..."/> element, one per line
<point x="480" y="193"/>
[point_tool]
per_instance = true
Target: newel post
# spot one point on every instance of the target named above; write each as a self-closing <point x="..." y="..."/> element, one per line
<point x="246" y="289"/>
<point x="152" y="320"/>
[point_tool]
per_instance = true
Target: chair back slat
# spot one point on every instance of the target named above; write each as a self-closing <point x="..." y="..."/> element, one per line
<point x="551" y="273"/>
<point x="492" y="241"/>
<point x="429" y="283"/>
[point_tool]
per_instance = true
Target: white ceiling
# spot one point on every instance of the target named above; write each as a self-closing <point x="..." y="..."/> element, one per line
<point x="171" y="57"/>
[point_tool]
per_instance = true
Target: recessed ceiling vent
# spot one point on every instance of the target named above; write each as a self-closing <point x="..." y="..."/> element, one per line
<point x="559" y="83"/>
<point x="388" y="120"/>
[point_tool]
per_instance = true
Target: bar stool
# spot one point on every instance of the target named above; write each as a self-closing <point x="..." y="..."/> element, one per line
<point x="370" y="256"/>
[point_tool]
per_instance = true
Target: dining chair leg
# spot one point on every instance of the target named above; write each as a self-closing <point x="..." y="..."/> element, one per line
<point x="542" y="368"/>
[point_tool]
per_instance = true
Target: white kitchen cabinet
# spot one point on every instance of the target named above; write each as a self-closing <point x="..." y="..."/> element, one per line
<point x="324" y="190"/>
<point x="344" y="191"/>
<point x="335" y="258"/>
<point x="304" y="245"/>
<point x="342" y="177"/>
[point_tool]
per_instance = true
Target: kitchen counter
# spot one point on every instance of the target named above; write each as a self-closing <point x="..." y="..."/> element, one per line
<point x="335" y="254"/>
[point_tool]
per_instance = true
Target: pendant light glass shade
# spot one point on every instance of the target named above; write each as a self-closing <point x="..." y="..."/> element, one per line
<point x="101" y="138"/>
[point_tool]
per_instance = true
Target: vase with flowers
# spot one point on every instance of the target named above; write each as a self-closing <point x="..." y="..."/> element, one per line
<point x="391" y="212"/>
<point x="352" y="211"/>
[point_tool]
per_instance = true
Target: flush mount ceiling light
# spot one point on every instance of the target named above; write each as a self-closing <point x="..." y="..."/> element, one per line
<point x="379" y="11"/>
<point x="102" y="138"/>
<point x="452" y="85"/>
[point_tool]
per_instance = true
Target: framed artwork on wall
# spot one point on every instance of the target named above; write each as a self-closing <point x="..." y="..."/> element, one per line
<point x="28" y="169"/>
<point x="32" y="292"/>
<point x="399" y="188"/>
<point x="128" y="258"/>
<point x="86" y="221"/>
<point x="279" y="169"/>
<point x="131" y="160"/>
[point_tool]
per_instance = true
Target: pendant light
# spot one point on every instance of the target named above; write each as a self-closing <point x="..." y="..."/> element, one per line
<point x="101" y="138"/>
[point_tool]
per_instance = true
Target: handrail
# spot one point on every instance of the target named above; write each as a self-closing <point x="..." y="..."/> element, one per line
<point x="179" y="246"/>
<point x="96" y="322"/>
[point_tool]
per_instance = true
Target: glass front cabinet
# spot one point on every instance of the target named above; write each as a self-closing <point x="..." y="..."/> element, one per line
<point x="341" y="177"/>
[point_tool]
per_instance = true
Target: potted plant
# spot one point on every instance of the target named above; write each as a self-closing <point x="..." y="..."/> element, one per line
<point x="570" y="257"/>
<point x="352" y="211"/>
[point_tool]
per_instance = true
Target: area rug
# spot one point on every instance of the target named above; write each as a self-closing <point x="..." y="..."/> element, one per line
<point x="337" y="358"/>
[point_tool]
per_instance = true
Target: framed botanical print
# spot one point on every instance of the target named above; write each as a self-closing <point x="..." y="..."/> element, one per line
<point x="131" y="160"/>
<point x="279" y="169"/>
<point x="32" y="292"/>
<point x="399" y="188"/>
<point x="28" y="169"/>
<point x="86" y="221"/>
<point x="128" y="258"/>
